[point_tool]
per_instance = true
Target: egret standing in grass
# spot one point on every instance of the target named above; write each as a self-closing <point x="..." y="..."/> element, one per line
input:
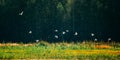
<point x="109" y="39"/>
<point x="92" y="36"/>
<point x="37" y="41"/>
<point x="95" y="39"/>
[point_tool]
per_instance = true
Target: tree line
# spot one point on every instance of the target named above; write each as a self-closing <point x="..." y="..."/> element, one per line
<point x="42" y="17"/>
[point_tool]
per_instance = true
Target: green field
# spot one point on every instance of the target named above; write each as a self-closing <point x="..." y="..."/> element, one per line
<point x="62" y="50"/>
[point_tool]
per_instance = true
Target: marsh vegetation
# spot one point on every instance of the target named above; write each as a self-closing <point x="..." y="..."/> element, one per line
<point x="62" y="50"/>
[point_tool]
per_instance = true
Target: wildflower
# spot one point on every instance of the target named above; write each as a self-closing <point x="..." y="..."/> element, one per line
<point x="21" y="13"/>
<point x="76" y="33"/>
<point x="67" y="30"/>
<point x="63" y="32"/>
<point x="56" y="30"/>
<point x="92" y="34"/>
<point x="30" y="32"/>
<point x="56" y="36"/>
<point x="37" y="41"/>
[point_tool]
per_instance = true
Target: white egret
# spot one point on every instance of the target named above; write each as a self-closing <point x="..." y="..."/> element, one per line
<point x="76" y="33"/>
<point x="95" y="39"/>
<point x="63" y="32"/>
<point x="30" y="32"/>
<point x="67" y="30"/>
<point x="56" y="36"/>
<point x="56" y="30"/>
<point x="92" y="34"/>
<point x="37" y="41"/>
<point x="109" y="39"/>
<point x="21" y="13"/>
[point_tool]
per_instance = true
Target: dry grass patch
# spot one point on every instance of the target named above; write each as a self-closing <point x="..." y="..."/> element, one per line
<point x="102" y="46"/>
<point x="15" y="44"/>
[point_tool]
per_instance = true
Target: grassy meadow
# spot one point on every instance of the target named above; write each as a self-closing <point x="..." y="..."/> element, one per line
<point x="61" y="50"/>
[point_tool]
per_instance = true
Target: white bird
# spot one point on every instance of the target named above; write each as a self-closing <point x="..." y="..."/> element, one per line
<point x="76" y="33"/>
<point x="67" y="30"/>
<point x="37" y="40"/>
<point x="92" y="34"/>
<point x="21" y="13"/>
<point x="109" y="39"/>
<point x="30" y="32"/>
<point x="95" y="39"/>
<point x="63" y="32"/>
<point x="56" y="36"/>
<point x="56" y="30"/>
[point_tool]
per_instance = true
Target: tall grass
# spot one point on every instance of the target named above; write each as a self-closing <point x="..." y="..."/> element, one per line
<point x="62" y="50"/>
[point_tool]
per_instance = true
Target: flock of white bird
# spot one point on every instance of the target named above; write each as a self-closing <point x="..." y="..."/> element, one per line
<point x="92" y="34"/>
<point x="64" y="32"/>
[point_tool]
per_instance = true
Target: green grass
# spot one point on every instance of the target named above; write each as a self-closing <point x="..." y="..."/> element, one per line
<point x="44" y="50"/>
